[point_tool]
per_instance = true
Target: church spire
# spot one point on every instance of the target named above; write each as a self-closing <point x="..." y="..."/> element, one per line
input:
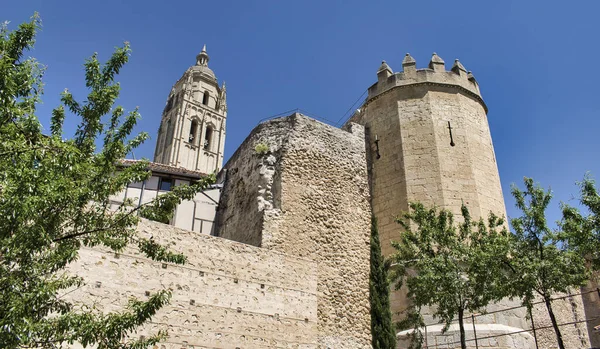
<point x="202" y="57"/>
<point x="192" y="131"/>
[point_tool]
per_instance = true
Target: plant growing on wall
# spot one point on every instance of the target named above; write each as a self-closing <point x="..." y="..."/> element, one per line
<point x="261" y="148"/>
<point x="54" y="199"/>
<point x="448" y="267"/>
<point x="382" y="327"/>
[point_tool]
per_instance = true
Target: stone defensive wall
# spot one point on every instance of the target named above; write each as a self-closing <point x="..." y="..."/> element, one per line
<point x="228" y="294"/>
<point x="299" y="187"/>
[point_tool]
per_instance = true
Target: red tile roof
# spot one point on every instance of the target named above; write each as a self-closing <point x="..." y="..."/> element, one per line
<point x="167" y="169"/>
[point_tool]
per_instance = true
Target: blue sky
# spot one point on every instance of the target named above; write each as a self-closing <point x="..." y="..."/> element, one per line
<point x="536" y="63"/>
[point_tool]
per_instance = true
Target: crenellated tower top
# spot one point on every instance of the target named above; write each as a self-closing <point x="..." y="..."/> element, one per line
<point x="435" y="74"/>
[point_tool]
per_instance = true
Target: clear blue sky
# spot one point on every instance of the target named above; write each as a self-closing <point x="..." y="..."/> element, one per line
<point x="536" y="63"/>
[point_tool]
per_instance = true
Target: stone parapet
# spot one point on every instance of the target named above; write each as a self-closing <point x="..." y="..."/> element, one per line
<point x="457" y="78"/>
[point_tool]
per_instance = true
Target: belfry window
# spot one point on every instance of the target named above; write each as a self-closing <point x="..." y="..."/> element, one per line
<point x="193" y="132"/>
<point x="208" y="138"/>
<point x="169" y="134"/>
<point x="205" y="98"/>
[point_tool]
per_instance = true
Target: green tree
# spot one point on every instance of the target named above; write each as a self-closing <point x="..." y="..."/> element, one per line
<point x="542" y="265"/>
<point x="382" y="327"/>
<point x="54" y="199"/>
<point x="582" y="232"/>
<point x="452" y="269"/>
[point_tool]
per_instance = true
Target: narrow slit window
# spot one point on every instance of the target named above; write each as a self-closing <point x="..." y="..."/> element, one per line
<point x="205" y="98"/>
<point x="208" y="138"/>
<point x="193" y="132"/>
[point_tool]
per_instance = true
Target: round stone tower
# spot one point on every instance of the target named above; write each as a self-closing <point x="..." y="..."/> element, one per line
<point x="430" y="142"/>
<point x="428" y="139"/>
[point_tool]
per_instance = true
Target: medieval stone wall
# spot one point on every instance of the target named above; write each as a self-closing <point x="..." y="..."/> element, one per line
<point x="591" y="302"/>
<point x="569" y="312"/>
<point x="308" y="197"/>
<point x="228" y="294"/>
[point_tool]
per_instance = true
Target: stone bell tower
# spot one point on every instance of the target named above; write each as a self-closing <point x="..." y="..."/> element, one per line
<point x="192" y="129"/>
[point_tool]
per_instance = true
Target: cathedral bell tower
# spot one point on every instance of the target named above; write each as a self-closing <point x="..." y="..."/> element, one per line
<point x="192" y="129"/>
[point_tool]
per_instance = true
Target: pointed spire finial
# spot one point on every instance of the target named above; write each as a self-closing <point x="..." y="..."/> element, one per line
<point x="471" y="77"/>
<point x="202" y="57"/>
<point x="409" y="65"/>
<point x="384" y="66"/>
<point x="458" y="68"/>
<point x="384" y="71"/>
<point x="408" y="59"/>
<point x="436" y="63"/>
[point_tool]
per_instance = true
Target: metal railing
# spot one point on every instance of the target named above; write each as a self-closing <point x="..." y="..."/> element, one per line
<point x="482" y="341"/>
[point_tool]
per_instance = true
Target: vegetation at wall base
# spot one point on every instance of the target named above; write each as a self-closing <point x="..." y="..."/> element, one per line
<point x="540" y="263"/>
<point x="449" y="268"/>
<point x="382" y="328"/>
<point x="462" y="269"/>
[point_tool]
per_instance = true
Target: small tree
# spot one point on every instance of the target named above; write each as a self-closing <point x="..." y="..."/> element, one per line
<point x="582" y="232"/>
<point x="452" y="270"/>
<point x="541" y="264"/>
<point x="382" y="327"/>
<point x="55" y="198"/>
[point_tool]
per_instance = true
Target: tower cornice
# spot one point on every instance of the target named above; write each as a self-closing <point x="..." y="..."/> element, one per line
<point x="435" y="75"/>
<point x="391" y="88"/>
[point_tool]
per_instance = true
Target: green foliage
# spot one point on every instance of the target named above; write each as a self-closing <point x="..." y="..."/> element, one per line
<point x="581" y="232"/>
<point x="449" y="268"/>
<point x="382" y="327"/>
<point x="55" y="198"/>
<point x="541" y="263"/>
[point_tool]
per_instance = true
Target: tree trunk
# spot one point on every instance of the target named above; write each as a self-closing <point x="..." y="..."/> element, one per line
<point x="559" y="339"/>
<point x="461" y="325"/>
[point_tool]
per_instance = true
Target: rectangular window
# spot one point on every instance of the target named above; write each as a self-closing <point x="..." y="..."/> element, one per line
<point x="166" y="184"/>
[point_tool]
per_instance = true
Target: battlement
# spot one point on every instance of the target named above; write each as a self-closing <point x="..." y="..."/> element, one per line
<point x="435" y="74"/>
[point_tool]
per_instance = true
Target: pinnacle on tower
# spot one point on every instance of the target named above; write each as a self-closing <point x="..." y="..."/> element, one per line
<point x="458" y="68"/>
<point x="384" y="67"/>
<point x="202" y="57"/>
<point x="384" y="71"/>
<point x="409" y="65"/>
<point x="436" y="63"/>
<point x="408" y="60"/>
<point x="472" y="78"/>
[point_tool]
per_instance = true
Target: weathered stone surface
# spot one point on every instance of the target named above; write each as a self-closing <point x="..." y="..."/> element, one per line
<point x="570" y="313"/>
<point x="409" y="115"/>
<point x="228" y="295"/>
<point x="297" y="202"/>
<point x="308" y="197"/>
<point x="591" y="302"/>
